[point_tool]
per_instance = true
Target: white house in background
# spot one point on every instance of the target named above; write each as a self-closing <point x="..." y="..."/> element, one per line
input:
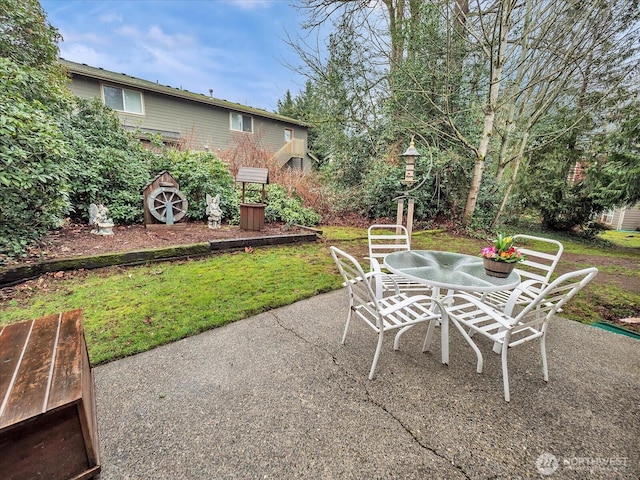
<point x="625" y="218"/>
<point x="182" y="117"/>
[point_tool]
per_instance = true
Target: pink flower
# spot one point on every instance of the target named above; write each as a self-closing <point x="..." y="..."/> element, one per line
<point x="489" y="252"/>
<point x="502" y="250"/>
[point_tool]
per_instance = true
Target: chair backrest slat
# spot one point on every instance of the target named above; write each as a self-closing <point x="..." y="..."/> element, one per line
<point x="355" y="280"/>
<point x="385" y="239"/>
<point x="538" y="265"/>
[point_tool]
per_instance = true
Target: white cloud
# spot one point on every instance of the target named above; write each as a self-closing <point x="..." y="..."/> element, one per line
<point x="252" y="4"/>
<point x="157" y="36"/>
<point x="227" y="45"/>
<point x="83" y="54"/>
<point x="128" y="31"/>
<point x="72" y="36"/>
<point x="110" y="18"/>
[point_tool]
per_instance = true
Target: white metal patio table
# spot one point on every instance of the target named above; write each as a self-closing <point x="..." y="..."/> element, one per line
<point x="447" y="271"/>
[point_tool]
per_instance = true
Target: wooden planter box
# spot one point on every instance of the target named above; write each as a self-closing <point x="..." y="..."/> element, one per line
<point x="48" y="427"/>
<point x="252" y="216"/>
<point x="497" y="269"/>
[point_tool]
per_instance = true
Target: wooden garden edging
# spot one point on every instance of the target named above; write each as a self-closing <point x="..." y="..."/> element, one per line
<point x="13" y="275"/>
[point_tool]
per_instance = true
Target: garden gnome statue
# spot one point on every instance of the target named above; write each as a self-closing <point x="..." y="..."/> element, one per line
<point x="213" y="211"/>
<point x="98" y="219"/>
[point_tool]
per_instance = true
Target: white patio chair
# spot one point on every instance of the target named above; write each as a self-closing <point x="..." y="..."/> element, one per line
<point x="394" y="312"/>
<point x="383" y="240"/>
<point x="537" y="266"/>
<point x="468" y="312"/>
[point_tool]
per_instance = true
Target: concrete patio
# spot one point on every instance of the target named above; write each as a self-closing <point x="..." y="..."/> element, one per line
<point x="277" y="396"/>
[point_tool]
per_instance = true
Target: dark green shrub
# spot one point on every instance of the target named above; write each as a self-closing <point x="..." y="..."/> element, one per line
<point x="111" y="164"/>
<point x="199" y="174"/>
<point x="34" y="157"/>
<point x="382" y="186"/>
<point x="283" y="208"/>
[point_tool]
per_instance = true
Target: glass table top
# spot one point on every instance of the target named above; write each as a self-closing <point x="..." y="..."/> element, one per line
<point x="454" y="271"/>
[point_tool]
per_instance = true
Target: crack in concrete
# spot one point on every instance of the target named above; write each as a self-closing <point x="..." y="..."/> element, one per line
<point x="369" y="397"/>
<point x="412" y="434"/>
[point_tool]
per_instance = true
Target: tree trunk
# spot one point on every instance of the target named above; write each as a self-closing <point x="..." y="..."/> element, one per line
<point x="512" y="181"/>
<point x="497" y="64"/>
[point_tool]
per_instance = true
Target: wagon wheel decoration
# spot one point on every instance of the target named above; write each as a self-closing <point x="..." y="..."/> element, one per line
<point x="167" y="204"/>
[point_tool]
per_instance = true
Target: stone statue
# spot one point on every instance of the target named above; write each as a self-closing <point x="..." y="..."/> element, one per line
<point x="98" y="219"/>
<point x="213" y="211"/>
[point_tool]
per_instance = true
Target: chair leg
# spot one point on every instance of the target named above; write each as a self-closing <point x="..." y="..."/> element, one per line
<point x="426" y="346"/>
<point x="376" y="355"/>
<point x="396" y="342"/>
<point x="444" y="337"/>
<point x="543" y="351"/>
<point x="472" y="345"/>
<point x="505" y="372"/>
<point x="346" y="326"/>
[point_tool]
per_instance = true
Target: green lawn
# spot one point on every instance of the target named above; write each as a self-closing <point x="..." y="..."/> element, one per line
<point x="130" y="310"/>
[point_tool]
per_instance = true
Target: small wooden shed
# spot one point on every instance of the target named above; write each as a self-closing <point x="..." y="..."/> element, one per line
<point x="252" y="214"/>
<point x="158" y="195"/>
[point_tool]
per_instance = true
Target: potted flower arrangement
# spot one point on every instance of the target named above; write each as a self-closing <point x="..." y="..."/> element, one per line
<point x="500" y="258"/>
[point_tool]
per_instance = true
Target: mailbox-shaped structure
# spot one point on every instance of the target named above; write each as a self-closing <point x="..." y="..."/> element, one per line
<point x="252" y="214"/>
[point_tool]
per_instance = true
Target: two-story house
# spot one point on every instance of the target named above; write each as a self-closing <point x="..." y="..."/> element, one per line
<point x="182" y="117"/>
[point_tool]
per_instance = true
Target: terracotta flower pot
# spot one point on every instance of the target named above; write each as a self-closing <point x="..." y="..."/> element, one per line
<point x="497" y="269"/>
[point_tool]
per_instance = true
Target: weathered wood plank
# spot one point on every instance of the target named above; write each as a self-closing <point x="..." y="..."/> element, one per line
<point x="50" y="447"/>
<point x="27" y="397"/>
<point x="66" y="379"/>
<point x="253" y="175"/>
<point x="13" y="342"/>
<point x="240" y="243"/>
<point x="88" y="419"/>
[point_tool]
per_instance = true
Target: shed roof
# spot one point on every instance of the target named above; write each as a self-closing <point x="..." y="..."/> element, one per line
<point x="253" y="175"/>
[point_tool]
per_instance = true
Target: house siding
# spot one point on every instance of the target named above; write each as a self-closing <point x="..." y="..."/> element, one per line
<point x="625" y="218"/>
<point x="628" y="218"/>
<point x="85" y="87"/>
<point x="201" y="126"/>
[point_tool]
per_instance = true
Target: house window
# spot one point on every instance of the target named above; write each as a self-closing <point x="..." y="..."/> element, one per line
<point x="122" y="99"/>
<point x="607" y="217"/>
<point x="241" y="123"/>
<point x="288" y="135"/>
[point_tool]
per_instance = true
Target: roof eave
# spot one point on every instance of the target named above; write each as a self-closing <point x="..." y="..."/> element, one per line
<point x="123" y="79"/>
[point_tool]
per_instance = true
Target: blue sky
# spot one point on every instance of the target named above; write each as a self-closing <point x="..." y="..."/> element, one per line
<point x="234" y="47"/>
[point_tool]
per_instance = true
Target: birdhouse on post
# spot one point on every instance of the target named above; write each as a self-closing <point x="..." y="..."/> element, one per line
<point x="252" y="214"/>
<point x="410" y="158"/>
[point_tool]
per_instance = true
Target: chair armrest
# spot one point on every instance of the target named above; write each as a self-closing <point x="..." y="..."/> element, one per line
<point x="524" y="288"/>
<point x="507" y="321"/>
<point x="374" y="264"/>
<point x="378" y="277"/>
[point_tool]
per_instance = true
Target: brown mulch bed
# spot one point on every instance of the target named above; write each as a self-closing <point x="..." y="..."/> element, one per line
<point x="77" y="240"/>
